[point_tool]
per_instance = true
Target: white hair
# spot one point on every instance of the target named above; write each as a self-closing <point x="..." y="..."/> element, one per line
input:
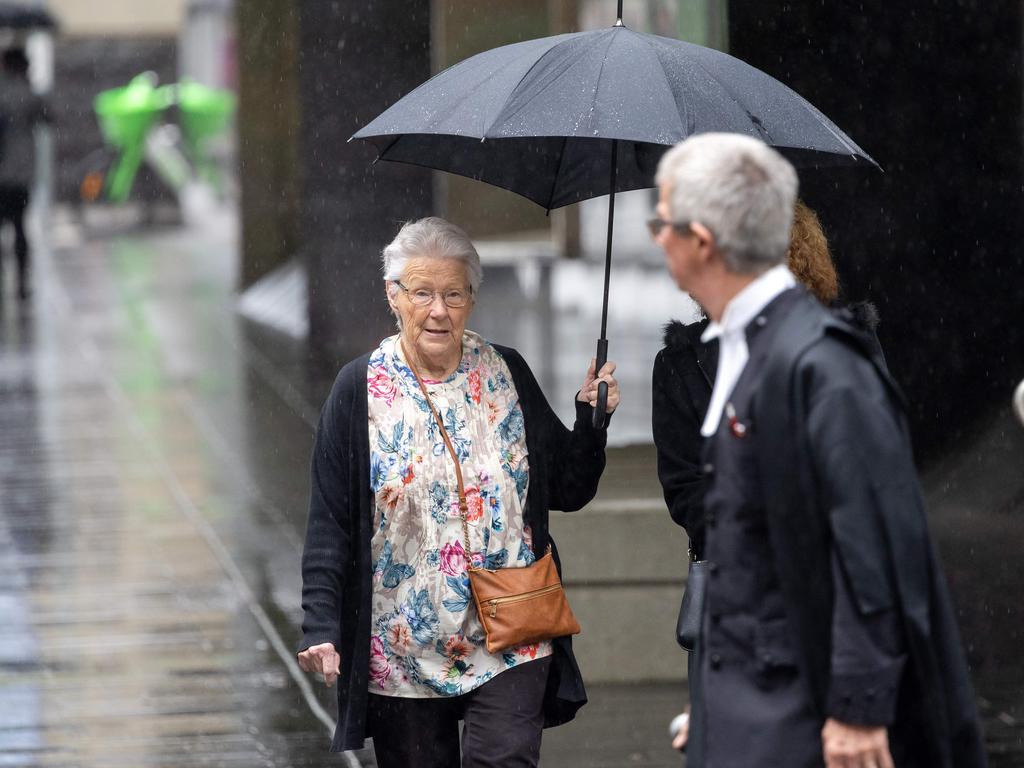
<point x="432" y="237"/>
<point x="739" y="188"/>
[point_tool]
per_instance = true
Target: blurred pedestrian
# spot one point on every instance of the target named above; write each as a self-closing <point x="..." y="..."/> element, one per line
<point x="389" y="611"/>
<point x="21" y="110"/>
<point x="684" y="372"/>
<point x="828" y="637"/>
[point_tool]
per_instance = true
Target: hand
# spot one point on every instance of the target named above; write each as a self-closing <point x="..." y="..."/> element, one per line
<point x="679" y="730"/>
<point x="588" y="392"/>
<point x="855" y="746"/>
<point x="323" y="659"/>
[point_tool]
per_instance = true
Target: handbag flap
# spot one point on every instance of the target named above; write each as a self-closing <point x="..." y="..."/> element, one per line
<point x="506" y="582"/>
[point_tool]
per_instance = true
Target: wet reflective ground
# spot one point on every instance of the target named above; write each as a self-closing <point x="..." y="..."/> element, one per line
<point x="138" y="623"/>
<point x="153" y="459"/>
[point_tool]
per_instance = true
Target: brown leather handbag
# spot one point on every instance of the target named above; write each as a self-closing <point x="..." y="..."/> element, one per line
<point x="517" y="606"/>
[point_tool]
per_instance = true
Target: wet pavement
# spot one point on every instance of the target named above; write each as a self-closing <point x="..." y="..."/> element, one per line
<point x="153" y="480"/>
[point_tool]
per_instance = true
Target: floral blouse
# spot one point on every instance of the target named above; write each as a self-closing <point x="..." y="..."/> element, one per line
<point x="426" y="638"/>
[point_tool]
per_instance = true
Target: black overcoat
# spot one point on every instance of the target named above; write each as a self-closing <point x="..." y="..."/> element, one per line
<point x="337" y="568"/>
<point x="684" y="374"/>
<point x="857" y="492"/>
<point x="874" y="517"/>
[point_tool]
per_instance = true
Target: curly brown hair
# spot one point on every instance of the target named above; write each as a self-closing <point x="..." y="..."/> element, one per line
<point x="808" y="256"/>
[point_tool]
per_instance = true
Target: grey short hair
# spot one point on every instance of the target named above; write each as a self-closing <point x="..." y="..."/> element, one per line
<point x="432" y="237"/>
<point x="739" y="188"/>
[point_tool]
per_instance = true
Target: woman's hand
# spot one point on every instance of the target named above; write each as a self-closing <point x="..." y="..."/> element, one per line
<point x="679" y="730"/>
<point x="855" y="746"/>
<point x="588" y="392"/>
<point x="323" y="659"/>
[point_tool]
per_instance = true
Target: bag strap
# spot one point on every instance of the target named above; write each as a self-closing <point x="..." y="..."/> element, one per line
<point x="463" y="506"/>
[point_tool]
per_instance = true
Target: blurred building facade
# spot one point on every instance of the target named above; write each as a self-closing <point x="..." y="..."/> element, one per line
<point x="937" y="97"/>
<point x="313" y="74"/>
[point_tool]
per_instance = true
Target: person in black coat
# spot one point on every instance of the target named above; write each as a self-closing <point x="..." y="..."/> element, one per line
<point x="21" y="111"/>
<point x="828" y="636"/>
<point x="684" y="373"/>
<point x="388" y="612"/>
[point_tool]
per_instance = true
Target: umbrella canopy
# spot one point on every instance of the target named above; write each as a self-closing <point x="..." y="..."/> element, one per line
<point x="566" y="118"/>
<point x="25" y="16"/>
<point x="538" y="118"/>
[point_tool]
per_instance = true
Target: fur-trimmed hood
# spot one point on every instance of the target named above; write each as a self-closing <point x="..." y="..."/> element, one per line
<point x="862" y="315"/>
<point x="678" y="336"/>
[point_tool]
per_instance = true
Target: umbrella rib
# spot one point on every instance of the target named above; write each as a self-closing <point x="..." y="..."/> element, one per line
<point x="391" y="143"/>
<point x="762" y="129"/>
<point x="824" y="121"/>
<point x="728" y="91"/>
<point x="558" y="170"/>
<point x="604" y="60"/>
<point x="500" y="113"/>
<point x="682" y="126"/>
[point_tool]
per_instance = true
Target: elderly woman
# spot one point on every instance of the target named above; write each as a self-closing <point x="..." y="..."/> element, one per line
<point x="388" y="608"/>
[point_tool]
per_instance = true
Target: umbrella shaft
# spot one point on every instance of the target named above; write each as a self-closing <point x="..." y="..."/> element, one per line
<point x="608" y="243"/>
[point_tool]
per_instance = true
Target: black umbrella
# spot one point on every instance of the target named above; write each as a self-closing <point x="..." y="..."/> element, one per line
<point x="566" y="118"/>
<point x="25" y="16"/>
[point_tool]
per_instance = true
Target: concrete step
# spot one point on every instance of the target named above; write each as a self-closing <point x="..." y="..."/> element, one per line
<point x="624" y="564"/>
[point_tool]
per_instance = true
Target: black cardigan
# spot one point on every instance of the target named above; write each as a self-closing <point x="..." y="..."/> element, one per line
<point x="337" y="567"/>
<point x="684" y="372"/>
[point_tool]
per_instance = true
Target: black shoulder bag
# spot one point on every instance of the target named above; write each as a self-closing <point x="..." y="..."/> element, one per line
<point x="691" y="609"/>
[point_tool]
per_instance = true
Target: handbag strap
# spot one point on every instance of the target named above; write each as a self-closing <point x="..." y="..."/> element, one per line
<point x="463" y="506"/>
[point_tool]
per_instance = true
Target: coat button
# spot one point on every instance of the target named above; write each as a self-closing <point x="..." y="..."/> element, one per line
<point x="713" y="568"/>
<point x="715" y="661"/>
<point x="761" y="321"/>
<point x="708" y="469"/>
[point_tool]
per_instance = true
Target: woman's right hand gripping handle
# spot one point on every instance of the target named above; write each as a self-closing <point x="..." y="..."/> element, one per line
<point x="323" y="659"/>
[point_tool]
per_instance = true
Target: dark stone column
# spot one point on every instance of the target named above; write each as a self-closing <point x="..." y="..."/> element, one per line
<point x="935" y="95"/>
<point x="356" y="58"/>
<point x="268" y="132"/>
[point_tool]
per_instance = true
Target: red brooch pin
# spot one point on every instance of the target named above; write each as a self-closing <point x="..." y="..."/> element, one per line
<point x="737" y="427"/>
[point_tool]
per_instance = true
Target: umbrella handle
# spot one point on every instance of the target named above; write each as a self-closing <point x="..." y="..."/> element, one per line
<point x="600" y="415"/>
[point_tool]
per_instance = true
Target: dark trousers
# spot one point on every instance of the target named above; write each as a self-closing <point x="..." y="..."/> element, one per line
<point x="502" y="724"/>
<point x="695" y="742"/>
<point x="13" y="202"/>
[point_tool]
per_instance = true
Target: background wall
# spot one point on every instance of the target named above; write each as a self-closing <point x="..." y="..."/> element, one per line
<point x="354" y="62"/>
<point x="119" y="17"/>
<point x="268" y="133"/>
<point x="936" y="97"/>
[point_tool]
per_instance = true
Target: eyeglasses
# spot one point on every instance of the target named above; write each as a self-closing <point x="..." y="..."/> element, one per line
<point x="656" y="224"/>
<point x="422" y="297"/>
